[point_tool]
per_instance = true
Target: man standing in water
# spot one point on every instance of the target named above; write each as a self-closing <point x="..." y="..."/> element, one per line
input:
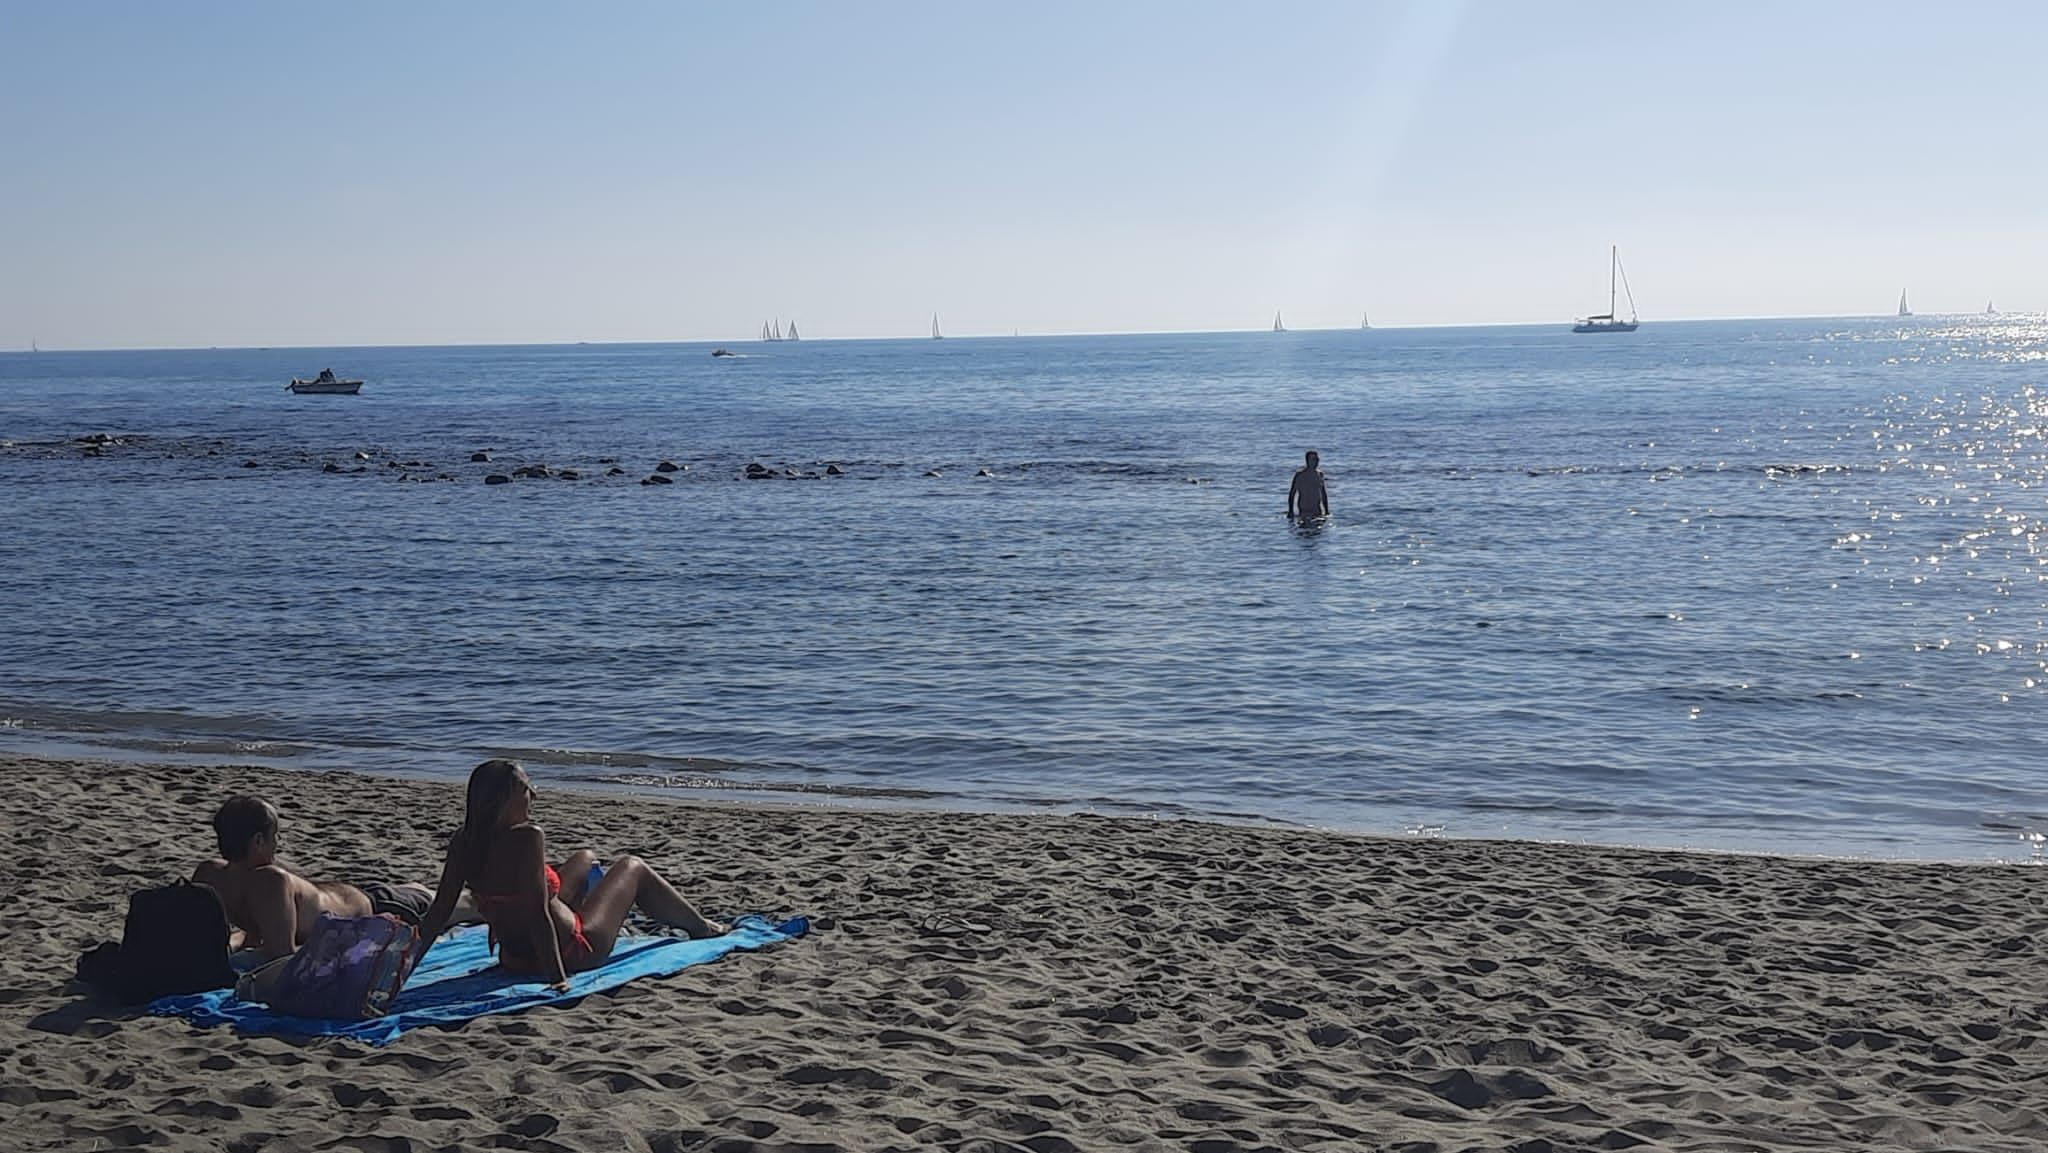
<point x="1308" y="498"/>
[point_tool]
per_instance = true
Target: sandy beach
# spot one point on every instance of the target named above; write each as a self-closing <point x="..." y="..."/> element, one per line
<point x="1050" y="983"/>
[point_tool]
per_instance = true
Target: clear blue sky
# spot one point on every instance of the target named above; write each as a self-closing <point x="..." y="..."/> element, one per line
<point x="293" y="174"/>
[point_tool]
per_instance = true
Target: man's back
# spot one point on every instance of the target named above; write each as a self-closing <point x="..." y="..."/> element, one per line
<point x="274" y="907"/>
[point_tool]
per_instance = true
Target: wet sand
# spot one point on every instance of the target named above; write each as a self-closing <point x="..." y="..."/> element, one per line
<point x="995" y="982"/>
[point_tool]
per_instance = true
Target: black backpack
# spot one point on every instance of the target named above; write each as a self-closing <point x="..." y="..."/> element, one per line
<point x="175" y="941"/>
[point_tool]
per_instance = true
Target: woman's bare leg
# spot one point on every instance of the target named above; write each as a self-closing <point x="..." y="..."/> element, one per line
<point x="629" y="883"/>
<point x="576" y="877"/>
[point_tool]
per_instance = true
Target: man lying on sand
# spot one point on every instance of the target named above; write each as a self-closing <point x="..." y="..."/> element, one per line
<point x="272" y="909"/>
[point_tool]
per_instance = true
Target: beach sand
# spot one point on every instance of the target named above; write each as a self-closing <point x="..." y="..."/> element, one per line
<point x="1048" y="983"/>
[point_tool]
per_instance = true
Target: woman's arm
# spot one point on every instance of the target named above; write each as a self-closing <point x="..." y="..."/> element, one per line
<point x="530" y="860"/>
<point x="453" y="877"/>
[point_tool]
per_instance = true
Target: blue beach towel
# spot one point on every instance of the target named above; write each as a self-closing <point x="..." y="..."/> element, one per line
<point x="458" y="980"/>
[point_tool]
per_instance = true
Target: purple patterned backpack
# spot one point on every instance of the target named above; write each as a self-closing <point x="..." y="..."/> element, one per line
<point x="350" y="968"/>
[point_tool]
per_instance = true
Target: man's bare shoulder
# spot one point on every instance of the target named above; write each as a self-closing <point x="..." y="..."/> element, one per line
<point x="269" y="880"/>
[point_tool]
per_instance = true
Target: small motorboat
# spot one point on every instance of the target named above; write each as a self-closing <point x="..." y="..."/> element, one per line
<point x="723" y="352"/>
<point x="326" y="382"/>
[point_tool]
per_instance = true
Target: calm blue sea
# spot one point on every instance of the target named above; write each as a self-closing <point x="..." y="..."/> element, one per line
<point x="1757" y="585"/>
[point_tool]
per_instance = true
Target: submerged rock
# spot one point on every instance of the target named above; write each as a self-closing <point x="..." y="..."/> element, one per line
<point x="497" y="478"/>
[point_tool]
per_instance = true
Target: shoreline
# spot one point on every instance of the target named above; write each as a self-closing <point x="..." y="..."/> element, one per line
<point x="587" y="773"/>
<point x="1050" y="982"/>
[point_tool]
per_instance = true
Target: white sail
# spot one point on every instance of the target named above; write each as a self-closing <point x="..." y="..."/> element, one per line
<point x="1903" y="310"/>
<point x="1277" y="326"/>
<point x="1611" y="321"/>
<point x="936" y="334"/>
<point x="764" y="331"/>
<point x="792" y="331"/>
<point x="1364" y="320"/>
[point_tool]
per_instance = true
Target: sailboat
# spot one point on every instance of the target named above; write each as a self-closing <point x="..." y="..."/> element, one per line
<point x="1277" y="326"/>
<point x="766" y="332"/>
<point x="1608" y="321"/>
<point x="1903" y="310"/>
<point x="1364" y="322"/>
<point x="792" y="331"/>
<point x="1989" y="310"/>
<point x="936" y="334"/>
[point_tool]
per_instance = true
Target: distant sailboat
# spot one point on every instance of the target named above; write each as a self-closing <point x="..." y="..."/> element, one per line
<point x="1903" y="310"/>
<point x="936" y="334"/>
<point x="1989" y="310"/>
<point x="1608" y="321"/>
<point x="792" y="331"/>
<point x="765" y="333"/>
<point x="1364" y="322"/>
<point x="1277" y="326"/>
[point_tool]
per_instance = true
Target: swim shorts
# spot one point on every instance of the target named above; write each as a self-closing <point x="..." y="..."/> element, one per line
<point x="408" y="902"/>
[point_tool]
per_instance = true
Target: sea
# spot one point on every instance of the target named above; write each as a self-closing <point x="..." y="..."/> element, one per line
<point x="1766" y="585"/>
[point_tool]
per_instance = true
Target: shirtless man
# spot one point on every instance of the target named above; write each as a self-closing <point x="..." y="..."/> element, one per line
<point x="270" y="908"/>
<point x="1309" y="496"/>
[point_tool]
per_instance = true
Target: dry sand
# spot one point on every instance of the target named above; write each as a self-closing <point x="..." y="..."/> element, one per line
<point x="1056" y="983"/>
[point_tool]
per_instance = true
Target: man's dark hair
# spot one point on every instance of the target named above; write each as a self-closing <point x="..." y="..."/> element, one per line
<point x="239" y="821"/>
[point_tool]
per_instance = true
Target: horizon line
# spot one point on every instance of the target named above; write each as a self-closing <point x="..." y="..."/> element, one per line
<point x="1013" y="335"/>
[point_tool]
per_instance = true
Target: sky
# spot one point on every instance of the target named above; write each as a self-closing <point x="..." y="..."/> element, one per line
<point x="201" y="174"/>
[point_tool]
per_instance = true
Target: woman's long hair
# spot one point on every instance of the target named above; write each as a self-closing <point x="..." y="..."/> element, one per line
<point x="490" y="786"/>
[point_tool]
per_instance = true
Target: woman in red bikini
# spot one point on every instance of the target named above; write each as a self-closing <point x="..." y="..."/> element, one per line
<point x="501" y="855"/>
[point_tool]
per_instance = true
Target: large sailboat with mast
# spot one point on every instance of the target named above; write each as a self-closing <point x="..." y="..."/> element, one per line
<point x="1609" y="321"/>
